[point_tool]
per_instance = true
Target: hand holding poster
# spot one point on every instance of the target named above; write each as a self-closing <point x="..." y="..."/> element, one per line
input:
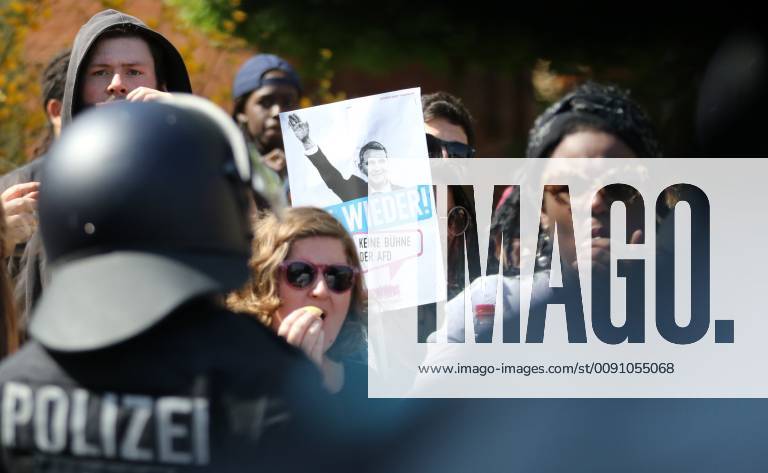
<point x="365" y="161"/>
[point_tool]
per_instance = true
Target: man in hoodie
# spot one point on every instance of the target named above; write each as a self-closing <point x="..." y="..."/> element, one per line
<point x="117" y="57"/>
<point x="114" y="57"/>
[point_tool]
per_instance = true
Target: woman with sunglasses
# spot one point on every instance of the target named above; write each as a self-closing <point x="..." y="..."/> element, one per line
<point x="307" y="286"/>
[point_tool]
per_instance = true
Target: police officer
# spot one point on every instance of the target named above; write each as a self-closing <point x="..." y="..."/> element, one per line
<point x="134" y="365"/>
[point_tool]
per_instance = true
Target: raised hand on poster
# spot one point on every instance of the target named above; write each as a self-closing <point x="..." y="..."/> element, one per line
<point x="301" y="130"/>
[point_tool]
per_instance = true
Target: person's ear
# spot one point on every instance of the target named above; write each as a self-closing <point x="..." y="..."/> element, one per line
<point x="53" y="109"/>
<point x="242" y="118"/>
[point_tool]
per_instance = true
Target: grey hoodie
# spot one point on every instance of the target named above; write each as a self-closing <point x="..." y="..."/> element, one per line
<point x="176" y="76"/>
<point x="33" y="269"/>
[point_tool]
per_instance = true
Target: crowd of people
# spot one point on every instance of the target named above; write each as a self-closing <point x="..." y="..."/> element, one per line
<point x="238" y="328"/>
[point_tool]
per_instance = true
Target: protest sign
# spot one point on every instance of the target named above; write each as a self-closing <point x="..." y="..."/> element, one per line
<point x="365" y="161"/>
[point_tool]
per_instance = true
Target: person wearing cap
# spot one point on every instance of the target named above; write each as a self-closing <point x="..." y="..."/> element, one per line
<point x="114" y="57"/>
<point x="265" y="86"/>
<point x="134" y="364"/>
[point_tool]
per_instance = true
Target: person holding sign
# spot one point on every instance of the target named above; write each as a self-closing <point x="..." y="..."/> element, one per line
<point x="372" y="163"/>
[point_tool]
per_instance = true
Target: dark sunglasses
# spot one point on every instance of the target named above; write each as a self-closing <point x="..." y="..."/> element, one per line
<point x="453" y="149"/>
<point x="302" y="274"/>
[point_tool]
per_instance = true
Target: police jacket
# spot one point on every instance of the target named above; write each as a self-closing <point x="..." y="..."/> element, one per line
<point x="203" y="390"/>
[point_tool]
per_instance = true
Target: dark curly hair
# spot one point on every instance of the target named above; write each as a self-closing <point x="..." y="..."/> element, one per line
<point x="595" y="106"/>
<point x="52" y="84"/>
<point x="451" y="108"/>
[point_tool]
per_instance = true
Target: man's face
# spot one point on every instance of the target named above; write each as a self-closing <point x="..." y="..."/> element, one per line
<point x="378" y="173"/>
<point x="116" y="67"/>
<point x="262" y="110"/>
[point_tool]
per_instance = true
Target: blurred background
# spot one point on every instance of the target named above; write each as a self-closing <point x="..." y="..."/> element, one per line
<point x="505" y="67"/>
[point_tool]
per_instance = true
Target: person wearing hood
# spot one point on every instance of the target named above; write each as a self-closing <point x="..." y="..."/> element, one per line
<point x="114" y="57"/>
<point x="117" y="57"/>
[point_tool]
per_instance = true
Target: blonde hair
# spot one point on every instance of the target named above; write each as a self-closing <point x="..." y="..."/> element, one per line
<point x="272" y="241"/>
<point x="9" y="331"/>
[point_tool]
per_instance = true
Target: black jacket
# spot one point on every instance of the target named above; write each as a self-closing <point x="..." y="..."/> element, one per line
<point x="347" y="189"/>
<point x="204" y="389"/>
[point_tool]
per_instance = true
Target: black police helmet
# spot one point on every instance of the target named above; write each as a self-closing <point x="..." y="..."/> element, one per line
<point x="144" y="206"/>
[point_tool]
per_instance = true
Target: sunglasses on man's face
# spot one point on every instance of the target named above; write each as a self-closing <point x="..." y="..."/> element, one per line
<point x="453" y="149"/>
<point x="301" y="274"/>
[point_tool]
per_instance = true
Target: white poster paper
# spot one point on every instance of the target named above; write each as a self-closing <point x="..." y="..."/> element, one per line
<point x="365" y="161"/>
